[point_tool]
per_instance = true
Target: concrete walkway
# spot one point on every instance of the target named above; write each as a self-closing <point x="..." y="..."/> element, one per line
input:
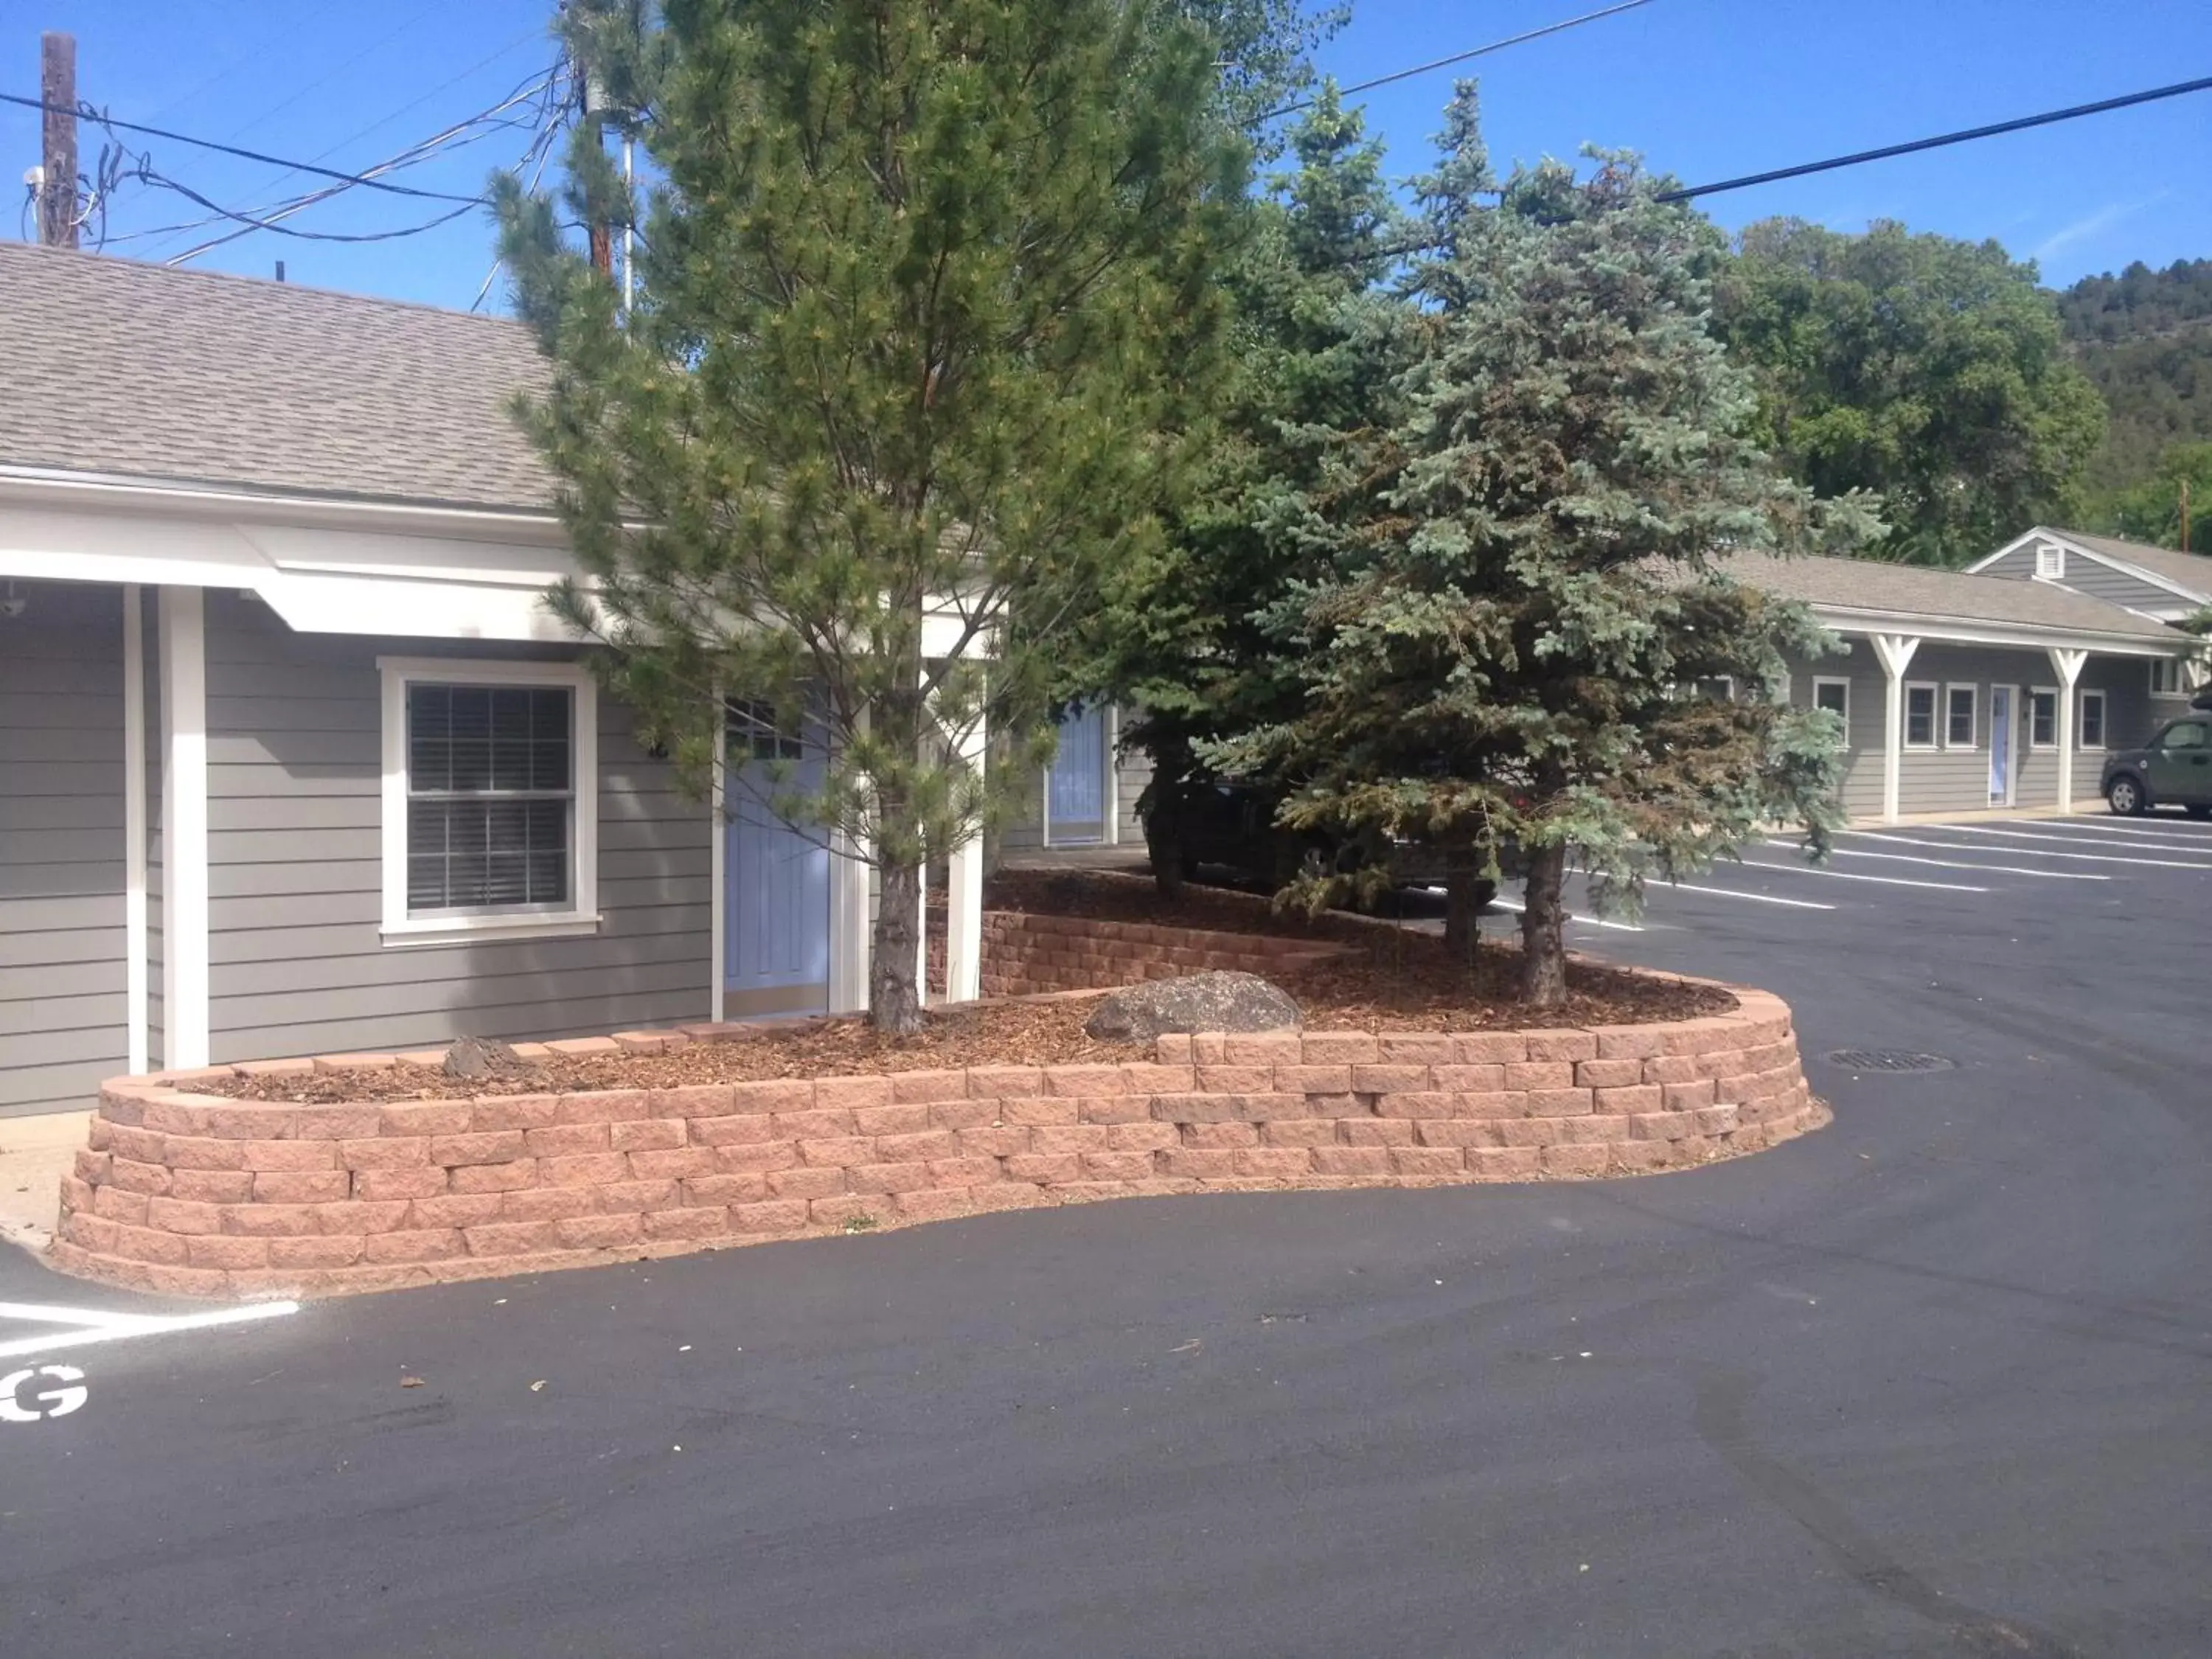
<point x="35" y="1153"/>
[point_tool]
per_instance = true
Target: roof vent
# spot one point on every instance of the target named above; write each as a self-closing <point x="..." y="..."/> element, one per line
<point x="2049" y="562"/>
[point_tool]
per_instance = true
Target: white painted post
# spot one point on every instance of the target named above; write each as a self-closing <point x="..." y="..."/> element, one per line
<point x="1895" y="652"/>
<point x="185" y="997"/>
<point x="963" y="927"/>
<point x="2068" y="666"/>
<point x="1112" y="792"/>
<point x="849" y="934"/>
<point x="718" y="899"/>
<point x="1044" y="814"/>
<point x="135" y="989"/>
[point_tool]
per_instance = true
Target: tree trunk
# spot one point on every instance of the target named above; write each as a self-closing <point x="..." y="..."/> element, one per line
<point x="1461" y="936"/>
<point x="894" y="990"/>
<point x="1543" y="921"/>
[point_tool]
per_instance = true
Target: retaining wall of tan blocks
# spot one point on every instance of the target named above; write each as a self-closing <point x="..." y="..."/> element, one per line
<point x="1025" y="955"/>
<point x="199" y="1194"/>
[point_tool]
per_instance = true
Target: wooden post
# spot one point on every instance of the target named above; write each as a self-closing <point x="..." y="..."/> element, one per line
<point x="57" y="153"/>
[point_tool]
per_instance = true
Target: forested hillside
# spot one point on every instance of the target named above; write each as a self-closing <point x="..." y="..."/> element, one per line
<point x="2145" y="338"/>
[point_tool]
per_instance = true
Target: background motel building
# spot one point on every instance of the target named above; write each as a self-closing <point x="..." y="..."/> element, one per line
<point x="292" y="760"/>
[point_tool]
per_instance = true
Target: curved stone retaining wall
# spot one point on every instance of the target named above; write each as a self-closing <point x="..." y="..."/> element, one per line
<point x="199" y="1194"/>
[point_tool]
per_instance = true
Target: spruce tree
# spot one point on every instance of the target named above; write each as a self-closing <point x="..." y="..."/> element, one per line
<point x="1519" y="637"/>
<point x="926" y="302"/>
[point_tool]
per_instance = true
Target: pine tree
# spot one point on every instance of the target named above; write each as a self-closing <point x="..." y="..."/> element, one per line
<point x="1316" y="344"/>
<point x="1509" y="646"/>
<point x="925" y="300"/>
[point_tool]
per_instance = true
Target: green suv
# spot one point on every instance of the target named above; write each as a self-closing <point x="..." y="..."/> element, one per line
<point x="2174" y="769"/>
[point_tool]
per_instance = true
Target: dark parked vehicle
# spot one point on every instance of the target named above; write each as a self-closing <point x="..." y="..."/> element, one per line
<point x="1231" y="827"/>
<point x="2174" y="769"/>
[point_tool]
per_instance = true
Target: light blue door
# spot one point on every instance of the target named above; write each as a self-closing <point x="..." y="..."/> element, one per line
<point x="2001" y="730"/>
<point x="776" y="911"/>
<point x="1077" y="779"/>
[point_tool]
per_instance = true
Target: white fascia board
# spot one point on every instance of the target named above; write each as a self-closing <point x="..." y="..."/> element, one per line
<point x="33" y="487"/>
<point x="1964" y="630"/>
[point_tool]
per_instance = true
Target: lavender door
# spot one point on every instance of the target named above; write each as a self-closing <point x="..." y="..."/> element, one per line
<point x="1077" y="782"/>
<point x="776" y="909"/>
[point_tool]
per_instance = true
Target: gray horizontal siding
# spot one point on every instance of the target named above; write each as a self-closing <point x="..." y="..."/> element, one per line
<point x="298" y="966"/>
<point x="62" y="1015"/>
<point x="2099" y="581"/>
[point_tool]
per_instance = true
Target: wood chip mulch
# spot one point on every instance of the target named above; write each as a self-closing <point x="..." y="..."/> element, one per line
<point x="1392" y="979"/>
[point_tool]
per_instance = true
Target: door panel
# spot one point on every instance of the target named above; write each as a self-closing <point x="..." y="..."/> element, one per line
<point x="2181" y="766"/>
<point x="2002" y="729"/>
<point x="1078" y="778"/>
<point x="777" y="948"/>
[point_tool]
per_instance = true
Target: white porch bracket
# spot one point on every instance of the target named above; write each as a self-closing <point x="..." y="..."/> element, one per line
<point x="1894" y="653"/>
<point x="2067" y="665"/>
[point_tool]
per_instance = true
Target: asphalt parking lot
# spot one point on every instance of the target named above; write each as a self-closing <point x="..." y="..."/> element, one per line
<point x="1932" y="1381"/>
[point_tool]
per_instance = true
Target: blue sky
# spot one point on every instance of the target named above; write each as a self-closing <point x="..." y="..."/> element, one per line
<point x="1706" y="88"/>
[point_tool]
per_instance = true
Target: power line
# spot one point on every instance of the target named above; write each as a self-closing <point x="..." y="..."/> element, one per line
<point x="1465" y="57"/>
<point x="1990" y="131"/>
<point x="86" y="113"/>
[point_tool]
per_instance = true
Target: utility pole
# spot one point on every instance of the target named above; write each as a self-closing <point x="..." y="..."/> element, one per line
<point x="601" y="233"/>
<point x="57" y="184"/>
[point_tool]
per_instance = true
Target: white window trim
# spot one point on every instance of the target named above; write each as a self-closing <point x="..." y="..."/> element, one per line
<point x="2028" y="708"/>
<point x="1974" y="696"/>
<point x="401" y="930"/>
<point x="2181" y="689"/>
<point x="1935" y="716"/>
<point x="2104" y="719"/>
<point x="2054" y="556"/>
<point x="1820" y="680"/>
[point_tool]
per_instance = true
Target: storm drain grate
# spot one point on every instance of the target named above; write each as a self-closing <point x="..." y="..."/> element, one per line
<point x="1888" y="1059"/>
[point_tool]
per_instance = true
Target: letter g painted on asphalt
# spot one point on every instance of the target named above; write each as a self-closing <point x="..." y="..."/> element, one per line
<point x="17" y="1404"/>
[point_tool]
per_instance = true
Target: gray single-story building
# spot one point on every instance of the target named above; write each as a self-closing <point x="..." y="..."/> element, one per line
<point x="292" y="760"/>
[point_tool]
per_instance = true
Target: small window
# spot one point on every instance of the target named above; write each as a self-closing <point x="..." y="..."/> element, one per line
<point x="1960" y="706"/>
<point x="1720" y="687"/>
<point x="1919" y="716"/>
<point x="490" y="817"/>
<point x="2184" y="734"/>
<point x="1835" y="697"/>
<point x="2093" y="719"/>
<point x="2042" y="718"/>
<point x="2166" y="676"/>
<point x="756" y="733"/>
<point x="2049" y="562"/>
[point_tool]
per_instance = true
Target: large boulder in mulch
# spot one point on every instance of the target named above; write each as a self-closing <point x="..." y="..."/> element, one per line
<point x="1197" y="1002"/>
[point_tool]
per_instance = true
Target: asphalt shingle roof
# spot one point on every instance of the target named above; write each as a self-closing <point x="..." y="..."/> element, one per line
<point x="2191" y="570"/>
<point x="110" y="365"/>
<point x="1914" y="590"/>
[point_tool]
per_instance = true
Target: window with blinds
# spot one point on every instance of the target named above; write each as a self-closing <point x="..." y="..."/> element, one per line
<point x="490" y="797"/>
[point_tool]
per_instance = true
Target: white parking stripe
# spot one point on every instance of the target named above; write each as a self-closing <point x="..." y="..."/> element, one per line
<point x="1853" y="875"/>
<point x="98" y="1325"/>
<point x="1955" y="863"/>
<point x="2088" y="858"/>
<point x="1757" y="898"/>
<point x="2159" y="832"/>
<point x="1590" y="922"/>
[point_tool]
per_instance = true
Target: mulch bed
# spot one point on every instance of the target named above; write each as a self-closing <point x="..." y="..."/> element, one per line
<point x="1390" y="980"/>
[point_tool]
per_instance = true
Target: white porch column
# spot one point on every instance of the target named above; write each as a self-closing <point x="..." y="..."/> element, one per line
<point x="1895" y="652"/>
<point x="2067" y="665"/>
<point x="849" y="932"/>
<point x="718" y="898"/>
<point x="1044" y="811"/>
<point x="184" y="829"/>
<point x="963" y="927"/>
<point x="1112" y="795"/>
<point x="135" y="987"/>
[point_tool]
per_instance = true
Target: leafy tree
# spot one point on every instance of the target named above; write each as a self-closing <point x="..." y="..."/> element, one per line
<point x="927" y="291"/>
<point x="1316" y="342"/>
<point x="1506" y="644"/>
<point x="1928" y="370"/>
<point x="2151" y="511"/>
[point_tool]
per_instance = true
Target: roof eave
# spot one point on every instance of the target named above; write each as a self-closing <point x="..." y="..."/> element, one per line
<point x="1982" y="631"/>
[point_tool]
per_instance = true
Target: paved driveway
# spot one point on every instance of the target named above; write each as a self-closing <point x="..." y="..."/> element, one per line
<point x="1932" y="1382"/>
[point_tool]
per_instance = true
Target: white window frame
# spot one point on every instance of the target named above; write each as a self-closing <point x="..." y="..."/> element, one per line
<point x="1935" y="716"/>
<point x="2171" y="666"/>
<point x="2049" y="562"/>
<point x="1973" y="716"/>
<point x="1820" y="680"/>
<point x="2104" y="719"/>
<point x="2055" y="695"/>
<point x="582" y="917"/>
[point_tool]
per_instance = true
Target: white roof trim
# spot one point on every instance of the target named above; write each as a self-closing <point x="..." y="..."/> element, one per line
<point x="1969" y="630"/>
